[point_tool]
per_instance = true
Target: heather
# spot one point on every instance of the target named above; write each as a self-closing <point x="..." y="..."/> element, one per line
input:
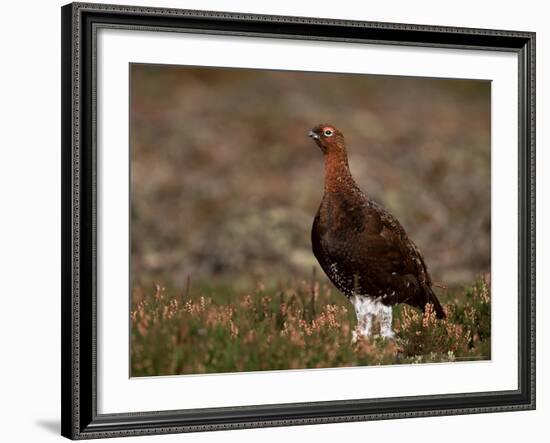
<point x="295" y="326"/>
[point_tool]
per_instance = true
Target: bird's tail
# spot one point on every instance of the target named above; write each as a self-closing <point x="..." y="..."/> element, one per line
<point x="432" y="298"/>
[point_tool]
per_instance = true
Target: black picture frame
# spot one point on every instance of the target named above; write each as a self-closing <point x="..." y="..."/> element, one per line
<point x="79" y="176"/>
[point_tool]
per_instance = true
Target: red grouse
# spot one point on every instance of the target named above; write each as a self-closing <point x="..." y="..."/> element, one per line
<point x="362" y="248"/>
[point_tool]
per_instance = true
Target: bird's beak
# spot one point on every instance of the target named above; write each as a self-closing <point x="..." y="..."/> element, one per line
<point x="313" y="135"/>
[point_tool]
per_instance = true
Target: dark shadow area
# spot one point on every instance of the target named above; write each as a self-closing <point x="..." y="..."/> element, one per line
<point x="52" y="426"/>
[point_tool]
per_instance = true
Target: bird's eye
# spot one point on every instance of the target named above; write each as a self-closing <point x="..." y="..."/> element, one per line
<point x="328" y="133"/>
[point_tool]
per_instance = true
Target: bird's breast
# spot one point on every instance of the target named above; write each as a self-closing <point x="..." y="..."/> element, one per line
<point x="341" y="217"/>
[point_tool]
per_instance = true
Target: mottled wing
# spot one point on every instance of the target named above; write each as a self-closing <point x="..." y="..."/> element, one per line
<point x="412" y="259"/>
<point x="410" y="280"/>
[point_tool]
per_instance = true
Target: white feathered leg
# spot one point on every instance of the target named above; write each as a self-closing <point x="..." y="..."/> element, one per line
<point x="385" y="317"/>
<point x="366" y="308"/>
<point x="365" y="317"/>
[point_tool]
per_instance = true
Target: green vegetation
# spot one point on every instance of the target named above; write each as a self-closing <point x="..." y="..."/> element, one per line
<point x="301" y="325"/>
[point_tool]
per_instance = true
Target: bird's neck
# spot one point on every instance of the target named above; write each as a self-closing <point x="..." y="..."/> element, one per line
<point x="337" y="174"/>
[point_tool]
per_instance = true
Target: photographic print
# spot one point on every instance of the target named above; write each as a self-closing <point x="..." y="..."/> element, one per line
<point x="296" y="220"/>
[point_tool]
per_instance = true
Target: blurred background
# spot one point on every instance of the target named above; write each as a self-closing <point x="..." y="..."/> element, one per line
<point x="225" y="182"/>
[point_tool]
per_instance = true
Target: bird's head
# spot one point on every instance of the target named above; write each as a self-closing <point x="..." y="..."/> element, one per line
<point x="328" y="138"/>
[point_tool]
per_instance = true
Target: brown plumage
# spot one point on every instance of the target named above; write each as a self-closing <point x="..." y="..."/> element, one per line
<point x="362" y="248"/>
